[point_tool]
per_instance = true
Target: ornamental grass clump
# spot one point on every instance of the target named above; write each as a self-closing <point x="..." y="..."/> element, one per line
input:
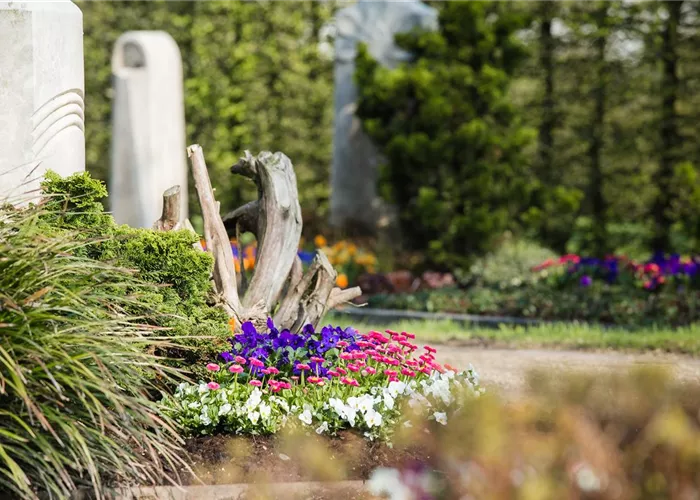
<point x="74" y="370"/>
<point x="332" y="381"/>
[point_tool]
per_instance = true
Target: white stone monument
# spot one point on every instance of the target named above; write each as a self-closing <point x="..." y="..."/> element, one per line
<point x="354" y="201"/>
<point x="41" y="94"/>
<point x="148" y="118"/>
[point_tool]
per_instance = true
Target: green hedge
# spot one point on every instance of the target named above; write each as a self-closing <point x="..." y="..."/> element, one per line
<point x="254" y="79"/>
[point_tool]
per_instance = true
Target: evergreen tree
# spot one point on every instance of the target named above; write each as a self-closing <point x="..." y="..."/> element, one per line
<point x="452" y="139"/>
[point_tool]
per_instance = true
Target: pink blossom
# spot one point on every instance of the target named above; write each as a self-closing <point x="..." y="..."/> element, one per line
<point x="342" y="343"/>
<point x="240" y="360"/>
<point x="213" y="386"/>
<point x="256" y="362"/>
<point x="390" y="373"/>
<point x="408" y="373"/>
<point x="303" y="366"/>
<point x="316" y="359"/>
<point x="235" y="369"/>
<point x="213" y="367"/>
<point x="353" y="368"/>
<point x="255" y="383"/>
<point x="346" y="356"/>
<point x="370" y="370"/>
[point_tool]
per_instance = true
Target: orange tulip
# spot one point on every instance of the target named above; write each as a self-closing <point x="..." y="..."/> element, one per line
<point x="341" y="281"/>
<point x="320" y="241"/>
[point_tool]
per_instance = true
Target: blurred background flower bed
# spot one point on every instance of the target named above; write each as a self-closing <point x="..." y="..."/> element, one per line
<point x="516" y="281"/>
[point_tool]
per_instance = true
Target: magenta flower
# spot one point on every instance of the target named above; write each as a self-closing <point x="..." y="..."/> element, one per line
<point x="316" y="359"/>
<point x="213" y="386"/>
<point x="235" y="369"/>
<point x="255" y="383"/>
<point x="303" y="366"/>
<point x="213" y="367"/>
<point x="240" y="360"/>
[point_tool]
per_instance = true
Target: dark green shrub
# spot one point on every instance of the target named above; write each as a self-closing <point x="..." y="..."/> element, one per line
<point x="183" y="299"/>
<point x="453" y="140"/>
<point x="75" y="369"/>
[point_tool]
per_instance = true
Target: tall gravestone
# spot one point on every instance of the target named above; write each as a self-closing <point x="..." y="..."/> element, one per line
<point x="41" y="94"/>
<point x="354" y="201"/>
<point x="148" y="119"/>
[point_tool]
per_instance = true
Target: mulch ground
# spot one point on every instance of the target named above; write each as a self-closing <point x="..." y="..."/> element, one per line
<point x="236" y="459"/>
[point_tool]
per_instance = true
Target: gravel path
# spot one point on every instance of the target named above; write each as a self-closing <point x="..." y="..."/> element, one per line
<point x="505" y="369"/>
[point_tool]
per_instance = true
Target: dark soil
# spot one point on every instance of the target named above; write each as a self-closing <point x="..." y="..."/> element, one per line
<point x="226" y="459"/>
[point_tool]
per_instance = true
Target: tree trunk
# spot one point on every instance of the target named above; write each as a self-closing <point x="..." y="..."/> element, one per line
<point x="275" y="219"/>
<point x="595" y="149"/>
<point x="670" y="139"/>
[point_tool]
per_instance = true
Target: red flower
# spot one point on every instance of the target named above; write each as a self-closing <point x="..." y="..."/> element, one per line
<point x="370" y="370"/>
<point x="313" y="380"/>
<point x="408" y="335"/>
<point x="431" y="350"/>
<point x="390" y="373"/>
<point x="353" y="368"/>
<point x="341" y="371"/>
<point x="408" y="373"/>
<point x="333" y="373"/>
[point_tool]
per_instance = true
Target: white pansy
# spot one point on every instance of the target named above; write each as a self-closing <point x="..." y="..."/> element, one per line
<point x="396" y="388"/>
<point x="253" y="399"/>
<point x="388" y="401"/>
<point x="373" y="418"/>
<point x="253" y="416"/>
<point x="265" y="411"/>
<point x="205" y="419"/>
<point x="440" y="417"/>
<point x="306" y="417"/>
<point x="338" y="406"/>
<point x="225" y="409"/>
<point x="322" y="428"/>
<point x="194" y="405"/>
<point x="350" y="414"/>
<point x="387" y="482"/>
<point x="203" y="388"/>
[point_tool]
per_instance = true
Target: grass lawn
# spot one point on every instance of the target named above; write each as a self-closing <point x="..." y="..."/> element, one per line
<point x="685" y="340"/>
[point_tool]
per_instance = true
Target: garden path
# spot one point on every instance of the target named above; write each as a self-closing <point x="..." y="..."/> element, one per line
<point x="506" y="369"/>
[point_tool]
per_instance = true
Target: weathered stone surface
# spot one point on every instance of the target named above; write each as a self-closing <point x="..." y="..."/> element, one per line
<point x="41" y="94"/>
<point x="354" y="200"/>
<point x="148" y="138"/>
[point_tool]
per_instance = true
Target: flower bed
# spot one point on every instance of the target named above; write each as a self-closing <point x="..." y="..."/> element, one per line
<point x="327" y="381"/>
<point x="662" y="291"/>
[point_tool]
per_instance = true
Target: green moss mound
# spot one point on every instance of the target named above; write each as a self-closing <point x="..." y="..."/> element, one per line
<point x="184" y="298"/>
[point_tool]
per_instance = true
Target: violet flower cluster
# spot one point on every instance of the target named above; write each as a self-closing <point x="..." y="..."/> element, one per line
<point x="284" y="349"/>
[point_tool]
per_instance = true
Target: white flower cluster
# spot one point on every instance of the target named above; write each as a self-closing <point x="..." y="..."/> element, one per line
<point x="373" y="410"/>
